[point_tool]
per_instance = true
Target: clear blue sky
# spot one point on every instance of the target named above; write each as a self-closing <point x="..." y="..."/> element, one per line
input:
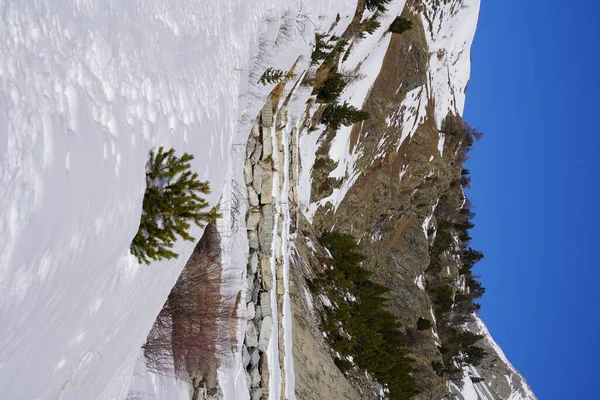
<point x="534" y="93"/>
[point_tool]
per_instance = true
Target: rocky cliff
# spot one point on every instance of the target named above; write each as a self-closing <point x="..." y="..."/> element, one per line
<point x="380" y="180"/>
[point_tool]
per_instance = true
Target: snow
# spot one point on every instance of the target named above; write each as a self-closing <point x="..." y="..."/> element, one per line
<point x="412" y="109"/>
<point x="86" y="90"/>
<point x="367" y="58"/>
<point x="526" y="393"/>
<point x="440" y="146"/>
<point x="449" y="39"/>
<point x="419" y="282"/>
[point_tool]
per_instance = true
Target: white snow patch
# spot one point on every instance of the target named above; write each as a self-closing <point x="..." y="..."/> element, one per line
<point x="449" y="39"/>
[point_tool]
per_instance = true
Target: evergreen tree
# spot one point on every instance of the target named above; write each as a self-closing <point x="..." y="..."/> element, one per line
<point x="345" y="114"/>
<point x="400" y="25"/>
<point x="331" y="89"/>
<point x="377" y="5"/>
<point x="171" y="202"/>
<point x="423" y="324"/>
<point x="271" y="76"/>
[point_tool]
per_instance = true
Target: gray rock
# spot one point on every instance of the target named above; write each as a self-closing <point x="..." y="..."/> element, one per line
<point x="267" y="142"/>
<point x="265" y="304"/>
<point x="254" y="377"/>
<point x="266" y="196"/>
<point x="250" y="313"/>
<point x="265" y="333"/>
<point x="258" y="312"/>
<point x="250" y="146"/>
<point x="266" y="114"/>
<point x="252" y="220"/>
<point x="251" y="335"/>
<point x="265" y="229"/>
<point x="252" y="196"/>
<point x="265" y="272"/>
<point x="253" y="241"/>
<point x="245" y="357"/>
<point x="256" y="394"/>
<point x="250" y="281"/>
<point x="255" y="132"/>
<point x="254" y="357"/>
<point x="255" y="157"/>
<point x="253" y="264"/>
<point x="257" y="178"/>
<point x="248" y="172"/>
<point x="264" y="372"/>
<point x="248" y="380"/>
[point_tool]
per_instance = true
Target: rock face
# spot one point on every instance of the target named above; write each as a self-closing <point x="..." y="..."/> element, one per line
<point x="383" y="187"/>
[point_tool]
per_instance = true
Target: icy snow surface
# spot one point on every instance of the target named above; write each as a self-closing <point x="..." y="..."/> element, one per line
<point x="86" y="90"/>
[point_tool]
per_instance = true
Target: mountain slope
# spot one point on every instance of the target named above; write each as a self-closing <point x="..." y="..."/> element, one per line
<point x="88" y="90"/>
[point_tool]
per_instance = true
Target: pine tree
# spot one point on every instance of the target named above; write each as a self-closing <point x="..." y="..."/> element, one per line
<point x="171" y="202"/>
<point x="345" y="114"/>
<point x="271" y="76"/>
<point x="400" y="25"/>
<point x="377" y="5"/>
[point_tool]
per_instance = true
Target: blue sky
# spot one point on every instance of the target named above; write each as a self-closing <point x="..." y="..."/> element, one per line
<point x="534" y="93"/>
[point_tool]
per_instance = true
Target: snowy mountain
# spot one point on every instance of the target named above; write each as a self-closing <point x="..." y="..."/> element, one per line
<point x="87" y="90"/>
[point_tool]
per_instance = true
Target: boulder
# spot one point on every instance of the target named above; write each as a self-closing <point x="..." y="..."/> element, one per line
<point x="248" y="172"/>
<point x="265" y="272"/>
<point x="266" y="196"/>
<point x="267" y="142"/>
<point x="256" y="394"/>
<point x="265" y="228"/>
<point x="257" y="173"/>
<point x="255" y="157"/>
<point x="253" y="241"/>
<point x="254" y="377"/>
<point x="265" y="333"/>
<point x="250" y="313"/>
<point x="250" y="146"/>
<point x="245" y="357"/>
<point x="253" y="264"/>
<point x="251" y="335"/>
<point x="265" y="304"/>
<point x="254" y="357"/>
<point x="264" y="373"/>
<point x="248" y="380"/>
<point x="252" y="196"/>
<point x="252" y="220"/>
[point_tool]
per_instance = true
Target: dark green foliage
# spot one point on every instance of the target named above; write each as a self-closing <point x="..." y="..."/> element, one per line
<point x="423" y="324"/>
<point x="454" y="301"/>
<point x="322" y="48"/>
<point x="358" y="323"/>
<point x="336" y="115"/>
<point x="369" y="26"/>
<point x="331" y="88"/>
<point x="271" y="76"/>
<point x="377" y="5"/>
<point x="171" y="202"/>
<point x="400" y="25"/>
<point x="343" y="364"/>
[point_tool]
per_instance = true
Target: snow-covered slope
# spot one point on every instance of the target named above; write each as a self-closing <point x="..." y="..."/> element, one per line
<point x="501" y="379"/>
<point x="86" y="89"/>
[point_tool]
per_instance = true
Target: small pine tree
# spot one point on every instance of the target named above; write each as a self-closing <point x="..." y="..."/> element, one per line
<point x="331" y="89"/>
<point x="400" y="25"/>
<point x="377" y="5"/>
<point x="369" y="26"/>
<point x="171" y="201"/>
<point x="423" y="324"/>
<point x="345" y="114"/>
<point x="271" y="76"/>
